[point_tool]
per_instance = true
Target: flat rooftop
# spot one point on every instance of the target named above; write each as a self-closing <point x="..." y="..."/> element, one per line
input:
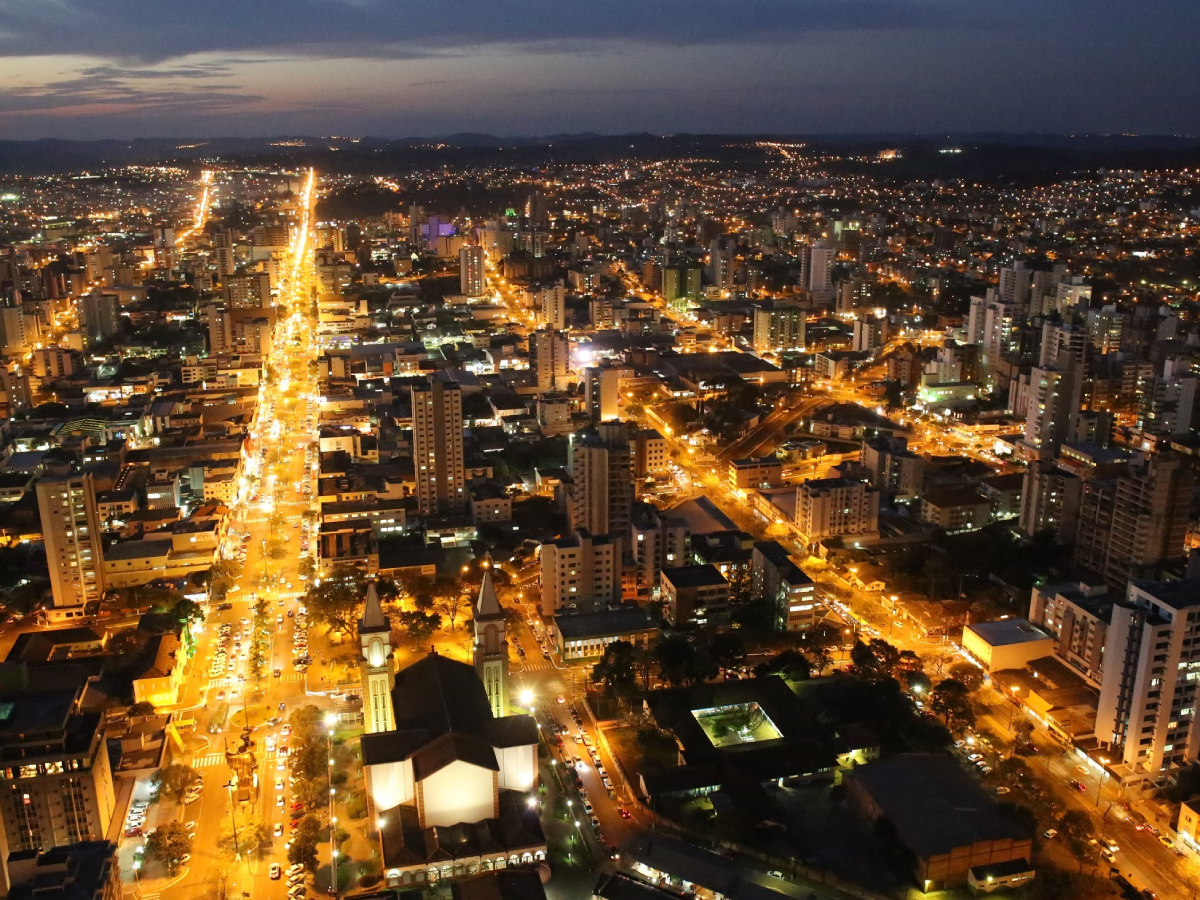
<point x="1008" y="631"/>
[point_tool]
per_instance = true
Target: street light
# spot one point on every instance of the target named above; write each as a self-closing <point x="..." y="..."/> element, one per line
<point x="330" y="722"/>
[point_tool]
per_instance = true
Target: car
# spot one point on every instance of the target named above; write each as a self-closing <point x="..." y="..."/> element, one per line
<point x="293" y="869"/>
<point x="614" y="853"/>
<point x="133" y="832"/>
<point x="975" y="757"/>
<point x="297" y="891"/>
<point x="587" y="806"/>
<point x="220" y="695"/>
<point x="1079" y="786"/>
<point x="1002" y="790"/>
<point x="276" y="871"/>
<point x="279" y="801"/>
<point x="190" y="827"/>
<point x="625" y="814"/>
<point x="278" y="833"/>
<point x="1110" y="844"/>
<point x="279" y="784"/>
<point x="561" y="699"/>
<point x="986" y="770"/>
<point x="595" y="823"/>
<point x="1165" y="841"/>
<point x="1107" y="855"/>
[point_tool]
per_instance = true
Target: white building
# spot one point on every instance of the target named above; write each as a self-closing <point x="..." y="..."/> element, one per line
<point x="71" y="532"/>
<point x="580" y="573"/>
<point x="832" y="507"/>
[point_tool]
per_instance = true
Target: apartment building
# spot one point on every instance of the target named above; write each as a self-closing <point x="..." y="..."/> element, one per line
<point x="835" y="507"/>
<point x="1148" y="696"/>
<point x="581" y="573"/>
<point x="71" y="532"/>
<point x="438" y="449"/>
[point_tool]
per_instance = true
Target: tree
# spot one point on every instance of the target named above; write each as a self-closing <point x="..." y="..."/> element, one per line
<point x="304" y="845"/>
<point x="1014" y="771"/>
<point x="616" y="670"/>
<point x="335" y="600"/>
<point x="877" y="659"/>
<point x="951" y="700"/>
<point x="968" y="674"/>
<point x="451" y="603"/>
<point x="727" y="650"/>
<point x="169" y="844"/>
<point x="141" y="708"/>
<point x="675" y="655"/>
<point x="174" y="781"/>
<point x="245" y="834"/>
<point x="792" y="665"/>
<point x="420" y="626"/>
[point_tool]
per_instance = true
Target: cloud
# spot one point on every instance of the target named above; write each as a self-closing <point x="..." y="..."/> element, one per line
<point x="108" y="89"/>
<point x="157" y="30"/>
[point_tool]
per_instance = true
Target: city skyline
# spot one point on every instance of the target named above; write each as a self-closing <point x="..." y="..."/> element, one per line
<point x="111" y="70"/>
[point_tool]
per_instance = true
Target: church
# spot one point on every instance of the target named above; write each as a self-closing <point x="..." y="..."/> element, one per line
<point x="449" y="772"/>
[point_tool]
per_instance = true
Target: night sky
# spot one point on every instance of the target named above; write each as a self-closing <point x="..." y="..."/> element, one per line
<point x="394" y="68"/>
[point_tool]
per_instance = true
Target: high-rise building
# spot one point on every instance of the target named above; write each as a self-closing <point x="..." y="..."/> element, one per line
<point x="100" y="316"/>
<point x="601" y="392"/>
<point x="1168" y="407"/>
<point x="13" y="340"/>
<point x="222" y="245"/>
<point x="490" y="653"/>
<point x="1133" y="525"/>
<point x="580" y="573"/>
<point x="375" y="636"/>
<point x="779" y="582"/>
<point x="1148" y="696"/>
<point x="649" y="454"/>
<point x="870" y="334"/>
<point x="820" y="271"/>
<point x="471" y="279"/>
<point x="438" y="449"/>
<point x="550" y="302"/>
<point x="550" y="358"/>
<point x="600" y="496"/>
<point x="778" y="327"/>
<point x="248" y="290"/>
<point x="1050" y="498"/>
<point x="1014" y="285"/>
<point x="1054" y="394"/>
<point x="893" y="468"/>
<point x="71" y="532"/>
<point x="56" y="786"/>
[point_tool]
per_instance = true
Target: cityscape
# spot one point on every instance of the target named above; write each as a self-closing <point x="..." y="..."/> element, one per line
<point x="630" y="517"/>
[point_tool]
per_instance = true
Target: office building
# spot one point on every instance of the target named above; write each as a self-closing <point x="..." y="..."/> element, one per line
<point x="71" y="532"/>
<point x="836" y="507"/>
<point x="99" y="316"/>
<point x="438" y="449"/>
<point x="56" y="785"/>
<point x="600" y="495"/>
<point x="1133" y="525"/>
<point x="549" y="359"/>
<point x="601" y="392"/>
<point x="471" y="278"/>
<point x="1148" y="696"/>
<point x="580" y="573"/>
<point x="778" y="327"/>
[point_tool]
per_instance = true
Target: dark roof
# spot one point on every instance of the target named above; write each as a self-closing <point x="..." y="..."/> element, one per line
<point x="626" y="620"/>
<point x="621" y="886"/>
<point x="437" y="697"/>
<point x="505" y="884"/>
<point x="694" y="576"/>
<point x="935" y="805"/>
<point x="405" y="843"/>
<point x="78" y="871"/>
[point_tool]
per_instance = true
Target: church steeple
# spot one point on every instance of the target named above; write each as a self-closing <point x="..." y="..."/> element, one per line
<point x="375" y="636"/>
<point x="491" y="647"/>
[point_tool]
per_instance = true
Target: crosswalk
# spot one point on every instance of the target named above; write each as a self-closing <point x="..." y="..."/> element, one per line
<point x="211" y="759"/>
<point x="539" y="665"/>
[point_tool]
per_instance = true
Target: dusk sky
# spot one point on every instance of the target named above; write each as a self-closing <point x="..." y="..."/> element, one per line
<point x="394" y="68"/>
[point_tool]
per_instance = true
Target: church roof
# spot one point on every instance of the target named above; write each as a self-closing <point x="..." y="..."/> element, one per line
<point x="487" y="606"/>
<point x="435" y="698"/>
<point x="373" y="619"/>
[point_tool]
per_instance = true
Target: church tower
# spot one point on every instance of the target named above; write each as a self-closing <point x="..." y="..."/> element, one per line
<point x="375" y="635"/>
<point x="491" y="648"/>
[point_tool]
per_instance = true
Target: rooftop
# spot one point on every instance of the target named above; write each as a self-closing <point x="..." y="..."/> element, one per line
<point x="1008" y="631"/>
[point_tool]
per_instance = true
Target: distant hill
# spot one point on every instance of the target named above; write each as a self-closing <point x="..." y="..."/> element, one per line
<point x="983" y="156"/>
